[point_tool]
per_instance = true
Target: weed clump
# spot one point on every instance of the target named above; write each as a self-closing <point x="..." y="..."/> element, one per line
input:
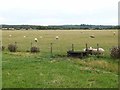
<point x="115" y="52"/>
<point x="34" y="49"/>
<point x="2" y="48"/>
<point x="12" y="47"/>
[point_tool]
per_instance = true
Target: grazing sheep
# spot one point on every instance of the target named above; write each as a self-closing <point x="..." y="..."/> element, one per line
<point x="92" y="36"/>
<point x="94" y="51"/>
<point x="100" y="51"/>
<point x="10" y="35"/>
<point x="114" y="33"/>
<point x="24" y="36"/>
<point x="85" y="49"/>
<point x="89" y="50"/>
<point x="57" y="37"/>
<point x="36" y="40"/>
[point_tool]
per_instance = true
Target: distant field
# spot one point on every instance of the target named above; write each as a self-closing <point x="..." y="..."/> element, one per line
<point x="105" y="39"/>
<point x="23" y="69"/>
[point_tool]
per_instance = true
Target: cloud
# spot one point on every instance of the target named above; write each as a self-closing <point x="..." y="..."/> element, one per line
<point x="58" y="11"/>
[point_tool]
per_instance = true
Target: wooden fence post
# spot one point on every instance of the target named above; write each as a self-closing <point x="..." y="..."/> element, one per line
<point x="31" y="44"/>
<point x="15" y="43"/>
<point x="72" y="47"/>
<point x="97" y="50"/>
<point x="86" y="47"/>
<point x="51" y="51"/>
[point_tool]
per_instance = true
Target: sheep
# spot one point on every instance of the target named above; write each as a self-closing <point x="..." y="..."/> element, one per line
<point x="92" y="36"/>
<point x="85" y="49"/>
<point x="94" y="51"/>
<point x="99" y="51"/>
<point x="57" y="37"/>
<point x="114" y="33"/>
<point x="36" y="40"/>
<point x="89" y="50"/>
<point x="24" y="36"/>
<point x="10" y="35"/>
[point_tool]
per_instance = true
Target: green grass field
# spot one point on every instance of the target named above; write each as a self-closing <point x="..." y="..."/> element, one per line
<point x="26" y="70"/>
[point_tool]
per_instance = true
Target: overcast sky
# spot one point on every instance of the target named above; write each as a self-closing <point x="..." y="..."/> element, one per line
<point x="59" y="12"/>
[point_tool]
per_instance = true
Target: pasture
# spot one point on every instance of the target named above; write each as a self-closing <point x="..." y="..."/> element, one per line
<point x="26" y="70"/>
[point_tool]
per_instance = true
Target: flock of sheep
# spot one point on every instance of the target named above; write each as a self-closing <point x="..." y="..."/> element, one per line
<point x="57" y="37"/>
<point x="93" y="36"/>
<point x="94" y="51"/>
<point x="35" y="39"/>
<point x="91" y="50"/>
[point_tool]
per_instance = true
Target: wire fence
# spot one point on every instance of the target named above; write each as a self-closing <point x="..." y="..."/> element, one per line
<point x="54" y="48"/>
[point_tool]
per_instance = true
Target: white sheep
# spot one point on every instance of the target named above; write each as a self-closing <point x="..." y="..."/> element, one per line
<point x="24" y="36"/>
<point x="36" y="40"/>
<point x="100" y="51"/>
<point x="57" y="37"/>
<point x="94" y="51"/>
<point x="114" y="33"/>
<point x="10" y="35"/>
<point x="90" y="48"/>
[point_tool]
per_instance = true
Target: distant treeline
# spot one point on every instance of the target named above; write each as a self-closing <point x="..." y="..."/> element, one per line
<point x="59" y="27"/>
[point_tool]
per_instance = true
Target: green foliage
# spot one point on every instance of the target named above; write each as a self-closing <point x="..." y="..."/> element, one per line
<point x="12" y="47"/>
<point x="2" y="48"/>
<point x="115" y="52"/>
<point x="60" y="27"/>
<point x="34" y="49"/>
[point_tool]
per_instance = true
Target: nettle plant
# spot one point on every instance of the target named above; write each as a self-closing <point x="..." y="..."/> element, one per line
<point x="34" y="49"/>
<point x="115" y="52"/>
<point x="12" y="47"/>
